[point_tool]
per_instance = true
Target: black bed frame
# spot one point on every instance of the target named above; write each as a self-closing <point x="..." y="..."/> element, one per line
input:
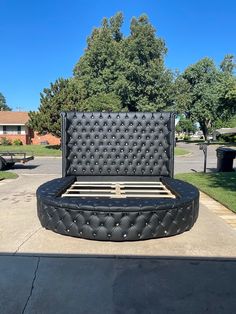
<point x="99" y="147"/>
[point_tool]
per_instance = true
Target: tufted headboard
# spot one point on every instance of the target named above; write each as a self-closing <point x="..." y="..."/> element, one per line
<point x="118" y="144"/>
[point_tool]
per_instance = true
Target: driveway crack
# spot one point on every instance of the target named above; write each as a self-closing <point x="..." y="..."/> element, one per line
<point x="27" y="239"/>
<point x="32" y="286"/>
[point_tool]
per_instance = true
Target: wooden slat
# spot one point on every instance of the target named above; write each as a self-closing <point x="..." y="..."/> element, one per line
<point x="93" y="190"/>
<point x="83" y="195"/>
<point x="118" y="196"/>
<point x="118" y="190"/>
<point x="121" y="183"/>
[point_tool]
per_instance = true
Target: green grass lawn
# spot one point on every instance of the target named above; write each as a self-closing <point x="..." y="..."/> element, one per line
<point x="180" y="151"/>
<point x="221" y="186"/>
<point x="53" y="150"/>
<point x="7" y="175"/>
<point x="36" y="150"/>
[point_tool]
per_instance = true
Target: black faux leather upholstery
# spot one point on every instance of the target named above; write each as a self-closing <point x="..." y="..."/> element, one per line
<point x="128" y="219"/>
<point x="118" y="144"/>
<point x="117" y="147"/>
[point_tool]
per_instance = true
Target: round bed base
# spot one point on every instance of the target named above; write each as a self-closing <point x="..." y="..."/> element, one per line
<point x="106" y="219"/>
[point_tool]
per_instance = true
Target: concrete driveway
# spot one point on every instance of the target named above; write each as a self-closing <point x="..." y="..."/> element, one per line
<point x="21" y="231"/>
<point x="44" y="272"/>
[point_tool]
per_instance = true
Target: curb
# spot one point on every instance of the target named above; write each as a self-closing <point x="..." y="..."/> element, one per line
<point x="223" y="212"/>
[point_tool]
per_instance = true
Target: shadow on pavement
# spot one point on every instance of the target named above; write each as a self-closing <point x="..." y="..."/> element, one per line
<point x="22" y="166"/>
<point x="116" y="284"/>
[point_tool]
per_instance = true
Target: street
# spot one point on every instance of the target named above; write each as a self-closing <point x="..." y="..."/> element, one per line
<point x="192" y="162"/>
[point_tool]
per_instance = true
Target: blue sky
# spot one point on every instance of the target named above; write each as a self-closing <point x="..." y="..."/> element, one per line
<point x="42" y="40"/>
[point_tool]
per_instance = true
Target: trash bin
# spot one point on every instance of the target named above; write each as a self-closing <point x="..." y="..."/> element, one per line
<point x="225" y="158"/>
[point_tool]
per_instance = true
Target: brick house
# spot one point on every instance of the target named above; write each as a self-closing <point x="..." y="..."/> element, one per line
<point x="13" y="125"/>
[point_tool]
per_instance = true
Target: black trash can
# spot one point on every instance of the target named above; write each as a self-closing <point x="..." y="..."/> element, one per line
<point x="225" y="158"/>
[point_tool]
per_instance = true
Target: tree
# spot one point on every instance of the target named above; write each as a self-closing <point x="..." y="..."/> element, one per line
<point x="186" y="125"/>
<point x="228" y="65"/>
<point x="99" y="68"/>
<point x="3" y="104"/>
<point x="147" y="84"/>
<point x="65" y="95"/>
<point x="209" y="95"/>
<point x="131" y="67"/>
<point x="61" y="96"/>
<point x="103" y="102"/>
<point x="115" y="73"/>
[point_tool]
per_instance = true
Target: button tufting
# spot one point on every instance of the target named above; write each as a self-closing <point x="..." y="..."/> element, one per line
<point x="144" y="140"/>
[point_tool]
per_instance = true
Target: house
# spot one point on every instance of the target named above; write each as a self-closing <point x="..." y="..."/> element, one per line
<point x="13" y="125"/>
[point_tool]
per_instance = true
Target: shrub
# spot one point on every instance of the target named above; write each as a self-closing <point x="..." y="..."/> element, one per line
<point x="5" y="141"/>
<point x="227" y="138"/>
<point x="187" y="137"/>
<point x="17" y="142"/>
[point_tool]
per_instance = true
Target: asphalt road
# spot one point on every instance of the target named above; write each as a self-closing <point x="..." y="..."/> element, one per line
<point x="192" y="162"/>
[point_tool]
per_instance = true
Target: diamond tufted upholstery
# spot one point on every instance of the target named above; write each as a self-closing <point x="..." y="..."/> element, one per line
<point x="117" y="147"/>
<point x="101" y="218"/>
<point x="123" y="144"/>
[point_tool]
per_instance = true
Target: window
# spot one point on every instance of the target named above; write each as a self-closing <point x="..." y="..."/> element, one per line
<point x="11" y="129"/>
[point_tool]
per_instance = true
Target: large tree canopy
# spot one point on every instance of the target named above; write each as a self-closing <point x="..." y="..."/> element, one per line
<point x="118" y="72"/>
<point x="115" y="73"/>
<point x="131" y="67"/>
<point x="208" y="93"/>
<point x="3" y="103"/>
<point x="64" y="95"/>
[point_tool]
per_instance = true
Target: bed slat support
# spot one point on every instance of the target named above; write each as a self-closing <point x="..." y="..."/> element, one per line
<point x="118" y="190"/>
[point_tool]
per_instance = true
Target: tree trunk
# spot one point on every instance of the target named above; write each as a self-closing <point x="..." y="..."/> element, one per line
<point x="204" y="128"/>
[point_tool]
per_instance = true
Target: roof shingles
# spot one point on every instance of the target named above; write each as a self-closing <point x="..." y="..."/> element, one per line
<point x="11" y="117"/>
